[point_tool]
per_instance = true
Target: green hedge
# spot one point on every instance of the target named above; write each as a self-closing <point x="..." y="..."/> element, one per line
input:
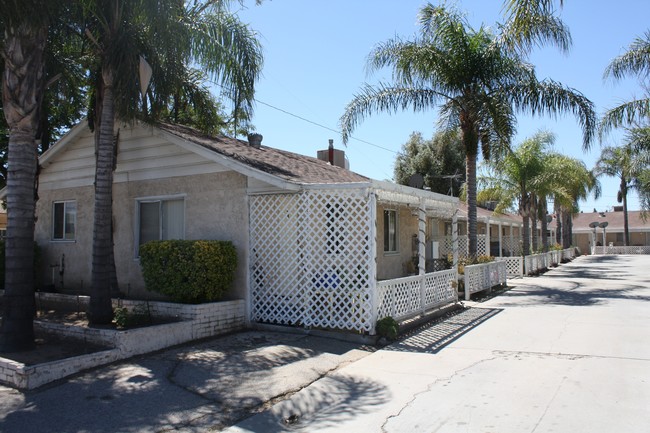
<point x="37" y="265"/>
<point x="189" y="271"/>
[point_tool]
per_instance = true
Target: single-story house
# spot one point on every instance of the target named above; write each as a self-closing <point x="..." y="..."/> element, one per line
<point x="313" y="238"/>
<point x="499" y="235"/>
<point x="585" y="235"/>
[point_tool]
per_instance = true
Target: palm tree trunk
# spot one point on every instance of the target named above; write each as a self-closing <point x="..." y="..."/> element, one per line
<point x="558" y="224"/>
<point x="100" y="310"/>
<point x="525" y="234"/>
<point x="543" y="212"/>
<point x="626" y="226"/>
<point x="472" y="237"/>
<point x="533" y="223"/>
<point x="567" y="234"/>
<point x="22" y="89"/>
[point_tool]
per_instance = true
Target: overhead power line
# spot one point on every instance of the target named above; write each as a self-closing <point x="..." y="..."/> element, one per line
<point x="323" y="126"/>
<point x="313" y="123"/>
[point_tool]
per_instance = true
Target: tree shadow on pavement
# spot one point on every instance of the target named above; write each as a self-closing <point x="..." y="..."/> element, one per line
<point x="577" y="295"/>
<point x="329" y="402"/>
<point x="199" y="386"/>
<point x="432" y="338"/>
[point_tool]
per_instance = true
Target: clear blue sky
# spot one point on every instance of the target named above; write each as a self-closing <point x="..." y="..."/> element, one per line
<point x="315" y="54"/>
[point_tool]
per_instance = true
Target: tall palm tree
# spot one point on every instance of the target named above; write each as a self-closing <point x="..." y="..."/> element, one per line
<point x="477" y="83"/>
<point x="23" y="82"/>
<point x="635" y="61"/>
<point x="171" y="35"/>
<point x="576" y="182"/>
<point x="515" y="180"/>
<point x="630" y="166"/>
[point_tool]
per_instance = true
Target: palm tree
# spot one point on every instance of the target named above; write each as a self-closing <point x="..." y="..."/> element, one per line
<point x="635" y="61"/>
<point x="515" y="178"/>
<point x="570" y="182"/>
<point x="23" y="82"/>
<point x="474" y="79"/>
<point x="630" y="166"/>
<point x="122" y="33"/>
<point x="576" y="182"/>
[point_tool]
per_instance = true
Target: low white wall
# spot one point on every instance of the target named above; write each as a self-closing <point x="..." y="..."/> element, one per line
<point x="196" y="322"/>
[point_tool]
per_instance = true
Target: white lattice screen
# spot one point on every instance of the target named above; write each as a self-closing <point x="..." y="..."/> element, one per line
<point x="311" y="258"/>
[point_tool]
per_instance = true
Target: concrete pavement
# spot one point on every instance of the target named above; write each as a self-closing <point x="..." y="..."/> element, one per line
<point x="195" y="388"/>
<point x="565" y="352"/>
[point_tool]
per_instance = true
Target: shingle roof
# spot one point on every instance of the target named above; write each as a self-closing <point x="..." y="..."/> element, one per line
<point x="581" y="221"/>
<point x="288" y="166"/>
<point x="483" y="214"/>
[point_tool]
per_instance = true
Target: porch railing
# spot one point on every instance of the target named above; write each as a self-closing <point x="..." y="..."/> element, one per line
<point x="514" y="265"/>
<point x="408" y="297"/>
<point x="484" y="276"/>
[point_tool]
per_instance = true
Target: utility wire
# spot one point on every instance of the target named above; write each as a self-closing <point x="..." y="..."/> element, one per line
<point x="323" y="126"/>
<point x="316" y="123"/>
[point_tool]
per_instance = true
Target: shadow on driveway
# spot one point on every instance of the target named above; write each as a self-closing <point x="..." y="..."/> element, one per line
<point x="432" y="338"/>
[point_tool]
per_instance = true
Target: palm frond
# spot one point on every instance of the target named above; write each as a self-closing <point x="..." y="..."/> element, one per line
<point x="636" y="60"/>
<point x="628" y="113"/>
<point x="384" y="98"/>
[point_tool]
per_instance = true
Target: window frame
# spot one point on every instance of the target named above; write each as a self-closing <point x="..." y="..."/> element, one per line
<point x="154" y="199"/>
<point x="387" y="233"/>
<point x="65" y="203"/>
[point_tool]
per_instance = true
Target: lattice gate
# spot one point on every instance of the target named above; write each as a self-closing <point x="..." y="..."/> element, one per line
<point x="312" y="258"/>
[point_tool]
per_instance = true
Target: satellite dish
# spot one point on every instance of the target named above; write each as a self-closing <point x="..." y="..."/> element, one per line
<point x="416" y="181"/>
<point x="594" y="224"/>
<point x="603" y="224"/>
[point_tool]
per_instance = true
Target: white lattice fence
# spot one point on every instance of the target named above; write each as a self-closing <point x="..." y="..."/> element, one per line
<point x="512" y="246"/>
<point x="568" y="254"/>
<point x="484" y="276"/>
<point x="446" y="245"/>
<point x="403" y="298"/>
<point x="439" y="289"/>
<point x="399" y="298"/>
<point x="623" y="250"/>
<point x="482" y="245"/>
<point x="311" y="259"/>
<point x="514" y="265"/>
<point x="535" y="263"/>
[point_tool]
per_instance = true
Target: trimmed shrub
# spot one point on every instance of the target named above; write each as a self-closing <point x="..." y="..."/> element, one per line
<point x="37" y="265"/>
<point x="189" y="271"/>
<point x="387" y="328"/>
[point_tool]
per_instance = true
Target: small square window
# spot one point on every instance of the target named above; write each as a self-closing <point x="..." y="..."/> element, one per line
<point x="64" y="220"/>
<point x="390" y="231"/>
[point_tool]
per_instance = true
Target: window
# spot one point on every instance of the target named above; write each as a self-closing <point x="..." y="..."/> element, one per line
<point x="161" y="219"/>
<point x="64" y="220"/>
<point x="390" y="231"/>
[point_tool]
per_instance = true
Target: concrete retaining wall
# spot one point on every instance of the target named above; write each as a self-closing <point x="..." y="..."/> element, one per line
<point x="196" y="322"/>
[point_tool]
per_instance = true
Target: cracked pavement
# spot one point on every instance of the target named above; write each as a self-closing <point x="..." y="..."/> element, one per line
<point x="564" y="352"/>
<point x="193" y="388"/>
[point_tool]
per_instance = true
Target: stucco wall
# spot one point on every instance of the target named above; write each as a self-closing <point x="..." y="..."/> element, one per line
<point x="75" y="255"/>
<point x="215" y="208"/>
<point x="392" y="264"/>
